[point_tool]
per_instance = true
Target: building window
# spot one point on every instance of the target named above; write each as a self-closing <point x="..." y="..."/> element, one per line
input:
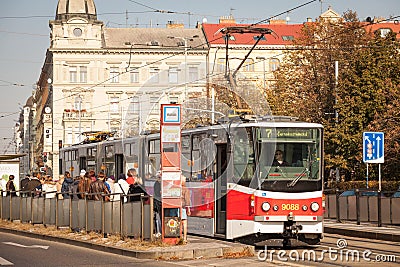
<point x="114" y="75"/>
<point x="69" y="135"/>
<point x="231" y="38"/>
<point x="134" y="75"/>
<point x="384" y="32"/>
<point x="193" y="74"/>
<point x="154" y="105"/>
<point x="78" y="104"/>
<point x="248" y="65"/>
<point x="287" y="37"/>
<point x="135" y="105"/>
<point x="220" y="65"/>
<point x="114" y="104"/>
<point x="273" y="64"/>
<point x="173" y="75"/>
<point x="77" y="133"/>
<point x="255" y="38"/>
<point x="73" y="75"/>
<point x="83" y="74"/>
<point x="154" y="75"/>
<point x="77" y="32"/>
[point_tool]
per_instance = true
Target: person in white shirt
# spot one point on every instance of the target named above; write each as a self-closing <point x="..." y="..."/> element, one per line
<point x="3" y="186"/>
<point x="121" y="187"/>
<point x="49" y="187"/>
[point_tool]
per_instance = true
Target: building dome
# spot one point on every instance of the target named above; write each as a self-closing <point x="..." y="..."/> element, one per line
<point x="67" y="9"/>
<point x="29" y="102"/>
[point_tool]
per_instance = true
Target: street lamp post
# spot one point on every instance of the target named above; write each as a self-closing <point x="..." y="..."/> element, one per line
<point x="263" y="60"/>
<point x="78" y="101"/>
<point x="185" y="41"/>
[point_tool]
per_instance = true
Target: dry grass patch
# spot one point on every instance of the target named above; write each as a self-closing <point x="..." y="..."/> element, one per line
<point x="93" y="237"/>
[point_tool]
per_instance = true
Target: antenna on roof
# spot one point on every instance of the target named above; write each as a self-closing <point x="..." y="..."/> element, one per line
<point x="231" y="11"/>
<point x="321" y="5"/>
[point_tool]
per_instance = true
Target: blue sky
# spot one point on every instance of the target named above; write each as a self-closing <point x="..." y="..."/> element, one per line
<point x="24" y="32"/>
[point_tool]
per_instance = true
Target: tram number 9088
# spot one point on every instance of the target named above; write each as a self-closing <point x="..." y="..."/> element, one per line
<point x="290" y="206"/>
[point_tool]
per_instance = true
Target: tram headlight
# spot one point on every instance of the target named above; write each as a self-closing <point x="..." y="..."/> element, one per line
<point x="314" y="206"/>
<point x="276" y="208"/>
<point x="265" y="206"/>
<point x="305" y="208"/>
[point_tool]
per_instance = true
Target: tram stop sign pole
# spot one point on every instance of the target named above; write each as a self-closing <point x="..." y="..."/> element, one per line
<point x="171" y="188"/>
<point x="373" y="151"/>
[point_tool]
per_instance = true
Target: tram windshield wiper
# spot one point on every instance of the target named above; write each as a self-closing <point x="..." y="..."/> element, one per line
<point x="298" y="177"/>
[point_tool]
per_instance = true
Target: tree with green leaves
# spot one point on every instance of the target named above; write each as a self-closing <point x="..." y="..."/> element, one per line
<point x="357" y="101"/>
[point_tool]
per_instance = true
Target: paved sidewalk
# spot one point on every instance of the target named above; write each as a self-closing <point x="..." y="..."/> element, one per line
<point x="364" y="230"/>
<point x="197" y="247"/>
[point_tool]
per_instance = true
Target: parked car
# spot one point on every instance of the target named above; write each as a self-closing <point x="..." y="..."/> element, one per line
<point x="396" y="194"/>
<point x="364" y="193"/>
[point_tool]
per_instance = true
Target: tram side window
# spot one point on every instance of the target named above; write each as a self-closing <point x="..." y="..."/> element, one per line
<point x="109" y="160"/>
<point x="203" y="155"/>
<point x="131" y="152"/>
<point x="186" y="162"/>
<point x="91" y="158"/>
<point x="243" y="158"/>
<point x="152" y="159"/>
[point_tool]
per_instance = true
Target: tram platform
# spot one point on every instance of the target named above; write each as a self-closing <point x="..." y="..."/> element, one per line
<point x="363" y="230"/>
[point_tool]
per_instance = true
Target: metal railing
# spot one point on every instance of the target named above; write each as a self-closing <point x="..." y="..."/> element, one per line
<point x="124" y="218"/>
<point x="375" y="207"/>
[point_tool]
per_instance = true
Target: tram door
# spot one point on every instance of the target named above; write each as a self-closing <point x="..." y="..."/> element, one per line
<point x="119" y="164"/>
<point x="82" y="164"/>
<point x="221" y="188"/>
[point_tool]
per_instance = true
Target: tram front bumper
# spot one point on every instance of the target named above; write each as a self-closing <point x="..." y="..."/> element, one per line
<point x="285" y="218"/>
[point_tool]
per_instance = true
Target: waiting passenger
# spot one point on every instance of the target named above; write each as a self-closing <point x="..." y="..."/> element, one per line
<point x="10" y="186"/>
<point x="133" y="177"/>
<point x="121" y="187"/>
<point x="49" y="187"/>
<point x="67" y="185"/>
<point x="98" y="188"/>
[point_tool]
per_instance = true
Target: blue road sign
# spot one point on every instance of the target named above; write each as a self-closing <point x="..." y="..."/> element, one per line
<point x="373" y="147"/>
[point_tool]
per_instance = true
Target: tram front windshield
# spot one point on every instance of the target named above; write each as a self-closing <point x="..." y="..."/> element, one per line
<point x="289" y="155"/>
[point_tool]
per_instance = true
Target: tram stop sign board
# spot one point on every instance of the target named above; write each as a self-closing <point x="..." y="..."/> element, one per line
<point x="373" y="147"/>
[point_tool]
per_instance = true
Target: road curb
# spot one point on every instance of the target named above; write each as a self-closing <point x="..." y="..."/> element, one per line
<point x="362" y="233"/>
<point x="159" y="253"/>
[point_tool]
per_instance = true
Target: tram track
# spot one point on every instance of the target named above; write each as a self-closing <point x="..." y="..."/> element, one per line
<point x="329" y="254"/>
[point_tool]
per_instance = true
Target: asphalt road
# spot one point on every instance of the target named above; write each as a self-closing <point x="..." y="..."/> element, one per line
<point x="23" y="251"/>
<point x="334" y="250"/>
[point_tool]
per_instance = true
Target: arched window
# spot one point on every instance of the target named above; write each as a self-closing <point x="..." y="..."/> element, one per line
<point x="273" y="64"/>
<point x="248" y="65"/>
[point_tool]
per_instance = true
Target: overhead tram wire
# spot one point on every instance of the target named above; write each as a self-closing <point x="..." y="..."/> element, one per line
<point x="126" y="71"/>
<point x="285" y="12"/>
<point x="165" y="58"/>
<point x="148" y="64"/>
<point x="217" y="74"/>
<point x="160" y="60"/>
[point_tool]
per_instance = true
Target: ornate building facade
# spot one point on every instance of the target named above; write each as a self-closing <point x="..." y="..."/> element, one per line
<point x="96" y="78"/>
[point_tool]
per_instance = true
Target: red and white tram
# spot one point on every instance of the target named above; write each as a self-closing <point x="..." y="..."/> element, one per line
<point x="237" y="189"/>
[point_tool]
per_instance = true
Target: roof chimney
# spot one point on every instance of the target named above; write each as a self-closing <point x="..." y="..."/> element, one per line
<point x="227" y="19"/>
<point x="277" y="21"/>
<point x="309" y="19"/>
<point x="175" y="25"/>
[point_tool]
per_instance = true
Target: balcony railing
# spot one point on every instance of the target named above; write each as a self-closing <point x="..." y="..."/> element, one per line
<point x="75" y="115"/>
